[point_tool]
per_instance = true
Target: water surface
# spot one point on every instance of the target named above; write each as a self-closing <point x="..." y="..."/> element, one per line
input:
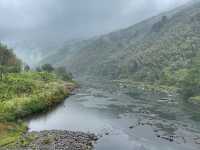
<point x="124" y="119"/>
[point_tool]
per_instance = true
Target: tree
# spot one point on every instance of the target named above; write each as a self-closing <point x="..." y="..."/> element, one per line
<point x="27" y="67"/>
<point x="2" y="71"/>
<point x="63" y="74"/>
<point x="164" y="19"/>
<point x="38" y="69"/>
<point x="8" y="61"/>
<point x="191" y="84"/>
<point x="157" y="26"/>
<point x="47" y="67"/>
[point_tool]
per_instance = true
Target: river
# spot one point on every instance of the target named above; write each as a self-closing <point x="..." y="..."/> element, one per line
<point x="124" y="118"/>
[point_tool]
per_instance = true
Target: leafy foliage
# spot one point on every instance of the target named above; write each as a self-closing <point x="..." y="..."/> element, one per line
<point x="22" y="94"/>
<point x="8" y="61"/>
<point x="141" y="52"/>
<point x="191" y="83"/>
<point x="162" y="49"/>
<point x="47" y="68"/>
<point x="27" y="68"/>
<point x="63" y="74"/>
<point x="25" y="93"/>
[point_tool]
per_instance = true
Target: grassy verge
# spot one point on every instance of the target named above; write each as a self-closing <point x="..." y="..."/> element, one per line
<point x="11" y="133"/>
<point x="24" y="94"/>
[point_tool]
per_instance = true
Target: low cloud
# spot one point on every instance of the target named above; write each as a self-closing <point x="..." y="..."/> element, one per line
<point x="74" y="18"/>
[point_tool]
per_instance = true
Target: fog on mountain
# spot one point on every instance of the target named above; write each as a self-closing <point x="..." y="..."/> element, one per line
<point x="103" y="75"/>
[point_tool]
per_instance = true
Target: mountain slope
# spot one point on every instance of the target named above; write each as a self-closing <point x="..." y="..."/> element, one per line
<point x="141" y="52"/>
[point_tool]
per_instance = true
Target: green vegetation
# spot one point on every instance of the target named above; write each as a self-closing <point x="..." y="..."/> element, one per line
<point x="60" y="72"/>
<point x="47" y="68"/>
<point x="63" y="74"/>
<point x="8" y="61"/>
<point x="162" y="50"/>
<point x="23" y="94"/>
<point x="188" y="79"/>
<point x="10" y="133"/>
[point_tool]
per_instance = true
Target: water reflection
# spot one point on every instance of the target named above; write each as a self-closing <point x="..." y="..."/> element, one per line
<point x="123" y="119"/>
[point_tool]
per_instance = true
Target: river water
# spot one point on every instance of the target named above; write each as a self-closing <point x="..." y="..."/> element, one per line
<point x="124" y="118"/>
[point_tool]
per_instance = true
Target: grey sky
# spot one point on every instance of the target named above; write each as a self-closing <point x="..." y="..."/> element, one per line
<point x="32" y="26"/>
<point x="64" y="19"/>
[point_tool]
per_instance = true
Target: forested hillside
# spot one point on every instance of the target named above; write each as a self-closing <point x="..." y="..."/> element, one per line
<point x="163" y="49"/>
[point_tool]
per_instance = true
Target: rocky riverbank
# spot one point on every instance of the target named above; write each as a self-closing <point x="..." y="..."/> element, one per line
<point x="55" y="140"/>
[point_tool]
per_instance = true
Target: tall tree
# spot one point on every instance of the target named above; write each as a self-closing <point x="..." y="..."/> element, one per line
<point x="8" y="61"/>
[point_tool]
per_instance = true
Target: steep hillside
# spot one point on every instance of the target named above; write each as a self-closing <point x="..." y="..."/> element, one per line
<point x="141" y="52"/>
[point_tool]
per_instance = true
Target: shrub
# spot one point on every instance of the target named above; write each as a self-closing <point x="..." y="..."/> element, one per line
<point x="47" y="68"/>
<point x="63" y="74"/>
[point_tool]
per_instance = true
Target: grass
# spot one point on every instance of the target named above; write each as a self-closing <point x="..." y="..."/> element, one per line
<point x="24" y="94"/>
<point x="10" y="133"/>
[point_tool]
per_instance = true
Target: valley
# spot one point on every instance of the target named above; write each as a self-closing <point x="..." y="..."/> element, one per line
<point x="135" y="88"/>
<point x="124" y="118"/>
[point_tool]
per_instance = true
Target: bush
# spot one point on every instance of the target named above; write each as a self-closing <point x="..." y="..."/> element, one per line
<point x="23" y="94"/>
<point x="8" y="61"/>
<point x="191" y="84"/>
<point x="27" y="68"/>
<point x="47" y="68"/>
<point x="63" y="74"/>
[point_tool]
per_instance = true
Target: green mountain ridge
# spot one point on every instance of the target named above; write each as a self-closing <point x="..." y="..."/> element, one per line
<point x="142" y="52"/>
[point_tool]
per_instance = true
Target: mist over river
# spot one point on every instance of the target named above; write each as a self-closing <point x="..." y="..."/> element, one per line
<point x="124" y="118"/>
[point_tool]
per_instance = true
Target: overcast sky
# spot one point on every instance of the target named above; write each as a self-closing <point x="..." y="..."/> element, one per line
<point x="31" y="26"/>
<point x="74" y="18"/>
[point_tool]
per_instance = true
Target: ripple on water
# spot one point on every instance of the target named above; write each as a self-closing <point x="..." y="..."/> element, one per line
<point x="110" y="116"/>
